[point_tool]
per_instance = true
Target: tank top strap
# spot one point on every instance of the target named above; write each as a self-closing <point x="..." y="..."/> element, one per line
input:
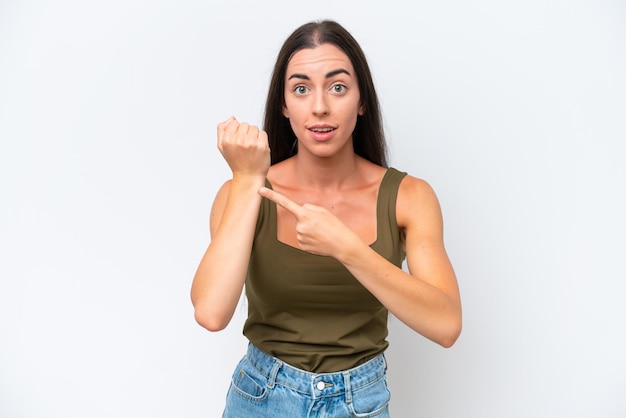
<point x="388" y="242"/>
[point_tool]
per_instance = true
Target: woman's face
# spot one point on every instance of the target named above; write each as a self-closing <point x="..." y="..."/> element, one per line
<point x="322" y="100"/>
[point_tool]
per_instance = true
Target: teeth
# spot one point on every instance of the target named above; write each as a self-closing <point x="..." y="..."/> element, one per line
<point x="322" y="129"/>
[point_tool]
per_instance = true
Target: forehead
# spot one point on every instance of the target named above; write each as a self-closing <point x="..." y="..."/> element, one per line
<point x="322" y="58"/>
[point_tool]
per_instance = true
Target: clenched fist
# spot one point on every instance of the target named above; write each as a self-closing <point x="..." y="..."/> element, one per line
<point x="244" y="147"/>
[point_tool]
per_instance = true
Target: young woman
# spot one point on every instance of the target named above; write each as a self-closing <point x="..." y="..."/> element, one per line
<point x="316" y="226"/>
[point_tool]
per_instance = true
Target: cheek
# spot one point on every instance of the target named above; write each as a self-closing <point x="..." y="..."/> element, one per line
<point x="288" y="108"/>
<point x="292" y="110"/>
<point x="295" y="124"/>
<point x="352" y="112"/>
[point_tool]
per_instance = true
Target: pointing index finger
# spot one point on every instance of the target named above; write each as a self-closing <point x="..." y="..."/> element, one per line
<point x="281" y="200"/>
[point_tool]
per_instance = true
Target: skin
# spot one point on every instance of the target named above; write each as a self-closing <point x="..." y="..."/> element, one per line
<point x="326" y="200"/>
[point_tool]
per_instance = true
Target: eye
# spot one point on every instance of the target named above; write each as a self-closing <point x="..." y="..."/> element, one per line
<point x="339" y="88"/>
<point x="300" y="90"/>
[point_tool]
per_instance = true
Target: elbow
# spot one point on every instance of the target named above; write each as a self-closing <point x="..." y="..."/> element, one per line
<point x="449" y="338"/>
<point x="210" y="321"/>
<point x="448" y="341"/>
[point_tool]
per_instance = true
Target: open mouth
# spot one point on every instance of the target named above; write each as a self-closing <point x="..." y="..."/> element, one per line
<point x="322" y="134"/>
<point x="321" y="130"/>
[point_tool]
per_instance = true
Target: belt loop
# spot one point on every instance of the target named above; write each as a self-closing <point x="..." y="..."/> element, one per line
<point x="272" y="377"/>
<point x="348" y="387"/>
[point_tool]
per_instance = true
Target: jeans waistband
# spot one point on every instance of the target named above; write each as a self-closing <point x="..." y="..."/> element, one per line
<point x="316" y="384"/>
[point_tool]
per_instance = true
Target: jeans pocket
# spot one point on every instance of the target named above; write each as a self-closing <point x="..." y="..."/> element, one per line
<point x="371" y="400"/>
<point x="249" y="383"/>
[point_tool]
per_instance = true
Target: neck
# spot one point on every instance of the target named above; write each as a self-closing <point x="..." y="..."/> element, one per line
<point x="328" y="173"/>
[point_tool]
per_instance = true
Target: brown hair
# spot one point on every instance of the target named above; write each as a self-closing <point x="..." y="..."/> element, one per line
<point x="368" y="136"/>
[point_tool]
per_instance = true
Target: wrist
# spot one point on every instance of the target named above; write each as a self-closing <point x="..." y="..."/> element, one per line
<point x="252" y="181"/>
<point x="349" y="253"/>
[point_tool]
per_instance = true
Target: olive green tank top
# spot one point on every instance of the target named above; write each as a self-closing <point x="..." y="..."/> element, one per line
<point x="309" y="310"/>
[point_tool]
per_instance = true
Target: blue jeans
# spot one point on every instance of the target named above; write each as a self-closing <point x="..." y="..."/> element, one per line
<point x="264" y="386"/>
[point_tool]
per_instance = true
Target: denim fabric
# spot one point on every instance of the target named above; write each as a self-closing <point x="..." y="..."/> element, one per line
<point x="264" y="386"/>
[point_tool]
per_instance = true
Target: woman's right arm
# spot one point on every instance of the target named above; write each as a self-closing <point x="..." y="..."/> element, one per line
<point x="219" y="279"/>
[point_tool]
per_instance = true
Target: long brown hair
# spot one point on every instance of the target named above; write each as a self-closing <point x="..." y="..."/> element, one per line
<point x="368" y="136"/>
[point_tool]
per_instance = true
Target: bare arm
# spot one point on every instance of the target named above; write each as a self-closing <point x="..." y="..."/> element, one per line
<point x="427" y="298"/>
<point x="220" y="277"/>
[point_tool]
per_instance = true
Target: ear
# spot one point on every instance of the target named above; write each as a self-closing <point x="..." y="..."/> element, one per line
<point x="361" y="110"/>
<point x="285" y="112"/>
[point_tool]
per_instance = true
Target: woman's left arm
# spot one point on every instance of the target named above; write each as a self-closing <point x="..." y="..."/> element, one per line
<point x="427" y="297"/>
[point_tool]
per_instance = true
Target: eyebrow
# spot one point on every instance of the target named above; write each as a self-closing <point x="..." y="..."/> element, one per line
<point x="328" y="75"/>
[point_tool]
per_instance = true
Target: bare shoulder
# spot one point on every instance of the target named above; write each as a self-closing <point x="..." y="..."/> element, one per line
<point x="417" y="203"/>
<point x="222" y="192"/>
<point x="415" y="188"/>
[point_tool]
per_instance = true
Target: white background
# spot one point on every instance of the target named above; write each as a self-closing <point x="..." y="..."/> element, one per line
<point x="513" y="111"/>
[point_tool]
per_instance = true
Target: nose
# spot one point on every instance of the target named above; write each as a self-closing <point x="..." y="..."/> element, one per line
<point x="320" y="104"/>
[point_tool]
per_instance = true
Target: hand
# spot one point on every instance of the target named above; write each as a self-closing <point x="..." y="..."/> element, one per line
<point x="244" y="147"/>
<point x="318" y="231"/>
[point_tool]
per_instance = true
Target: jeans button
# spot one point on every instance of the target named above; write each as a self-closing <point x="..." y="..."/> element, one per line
<point x="321" y="385"/>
